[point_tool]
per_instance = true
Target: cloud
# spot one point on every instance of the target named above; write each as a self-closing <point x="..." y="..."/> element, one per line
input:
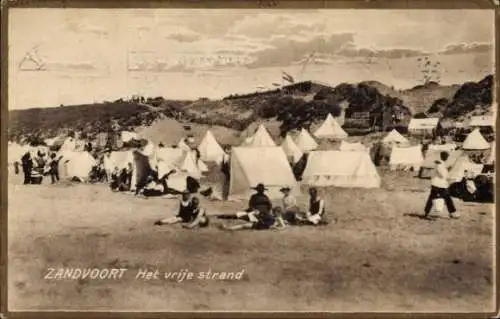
<point x="397" y="53"/>
<point x="286" y="51"/>
<point x="184" y="38"/>
<point x="467" y="48"/>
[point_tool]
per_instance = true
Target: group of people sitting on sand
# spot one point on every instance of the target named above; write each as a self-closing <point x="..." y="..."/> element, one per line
<point x="260" y="214"/>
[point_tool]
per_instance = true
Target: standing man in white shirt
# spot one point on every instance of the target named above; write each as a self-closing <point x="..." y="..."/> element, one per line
<point x="439" y="188"/>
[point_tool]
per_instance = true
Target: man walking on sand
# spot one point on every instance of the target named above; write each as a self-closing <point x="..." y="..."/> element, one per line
<point x="440" y="188"/>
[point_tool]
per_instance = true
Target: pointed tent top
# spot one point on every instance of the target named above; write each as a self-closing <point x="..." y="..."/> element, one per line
<point x="330" y="129"/>
<point x="475" y="141"/>
<point x="291" y="149"/>
<point x="182" y="145"/>
<point x="188" y="164"/>
<point x="261" y="138"/>
<point x="305" y="142"/>
<point x="395" y="137"/>
<point x="210" y="149"/>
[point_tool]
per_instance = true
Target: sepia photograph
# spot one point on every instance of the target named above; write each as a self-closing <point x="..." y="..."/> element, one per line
<point x="251" y="160"/>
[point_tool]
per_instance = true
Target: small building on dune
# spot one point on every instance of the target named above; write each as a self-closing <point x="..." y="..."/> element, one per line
<point x="424" y="126"/>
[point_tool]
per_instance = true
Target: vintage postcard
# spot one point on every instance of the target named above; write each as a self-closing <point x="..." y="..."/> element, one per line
<point x="188" y="160"/>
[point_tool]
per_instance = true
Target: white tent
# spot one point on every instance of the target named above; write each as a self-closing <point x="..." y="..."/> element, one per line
<point x="183" y="145"/>
<point x="76" y="165"/>
<point x="475" y="141"/>
<point x="261" y="138"/>
<point x="352" y="147"/>
<point x="16" y="151"/>
<point x="119" y="159"/>
<point x="183" y="161"/>
<point x="210" y="149"/>
<point x="69" y="144"/>
<point x="128" y="136"/>
<point x="305" y="142"/>
<point x="406" y="158"/>
<point x="462" y="164"/>
<point x="50" y="141"/>
<point x="267" y="165"/>
<point x="330" y="129"/>
<point x="341" y="169"/>
<point x="291" y="150"/>
<point x="188" y="165"/>
<point x="394" y="137"/>
<point x="448" y="147"/>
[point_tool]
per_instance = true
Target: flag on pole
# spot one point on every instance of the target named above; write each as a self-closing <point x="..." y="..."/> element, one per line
<point x="287" y="77"/>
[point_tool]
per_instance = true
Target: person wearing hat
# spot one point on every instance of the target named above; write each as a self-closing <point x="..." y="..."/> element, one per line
<point x="258" y="203"/>
<point x="290" y="208"/>
<point x="258" y="214"/>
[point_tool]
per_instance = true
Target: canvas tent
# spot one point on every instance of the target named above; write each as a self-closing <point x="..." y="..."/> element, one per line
<point x="261" y="138"/>
<point x="267" y="165"/>
<point x="330" y="129"/>
<point x="69" y="144"/>
<point x="305" y="142"/>
<point x="421" y="126"/>
<point x="291" y="150"/>
<point x="394" y="137"/>
<point x="76" y="164"/>
<point x="341" y="169"/>
<point x="183" y="145"/>
<point x="210" y="149"/>
<point x="180" y="160"/>
<point x="475" y="141"/>
<point x="406" y="158"/>
<point x="15" y="151"/>
<point x="352" y="147"/>
<point x="462" y="164"/>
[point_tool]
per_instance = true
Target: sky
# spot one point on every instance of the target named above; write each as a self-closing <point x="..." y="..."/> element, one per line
<point x="76" y="56"/>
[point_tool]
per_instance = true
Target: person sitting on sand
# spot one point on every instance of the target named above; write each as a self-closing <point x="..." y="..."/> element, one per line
<point x="189" y="212"/>
<point x="258" y="203"/>
<point x="316" y="212"/>
<point x="199" y="218"/>
<point x="259" y="219"/>
<point x="288" y="213"/>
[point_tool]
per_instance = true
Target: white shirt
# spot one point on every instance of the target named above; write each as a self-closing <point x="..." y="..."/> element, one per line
<point x="289" y="202"/>
<point x="441" y="176"/>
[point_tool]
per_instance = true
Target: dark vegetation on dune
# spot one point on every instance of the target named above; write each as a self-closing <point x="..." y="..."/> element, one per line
<point x="295" y="106"/>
